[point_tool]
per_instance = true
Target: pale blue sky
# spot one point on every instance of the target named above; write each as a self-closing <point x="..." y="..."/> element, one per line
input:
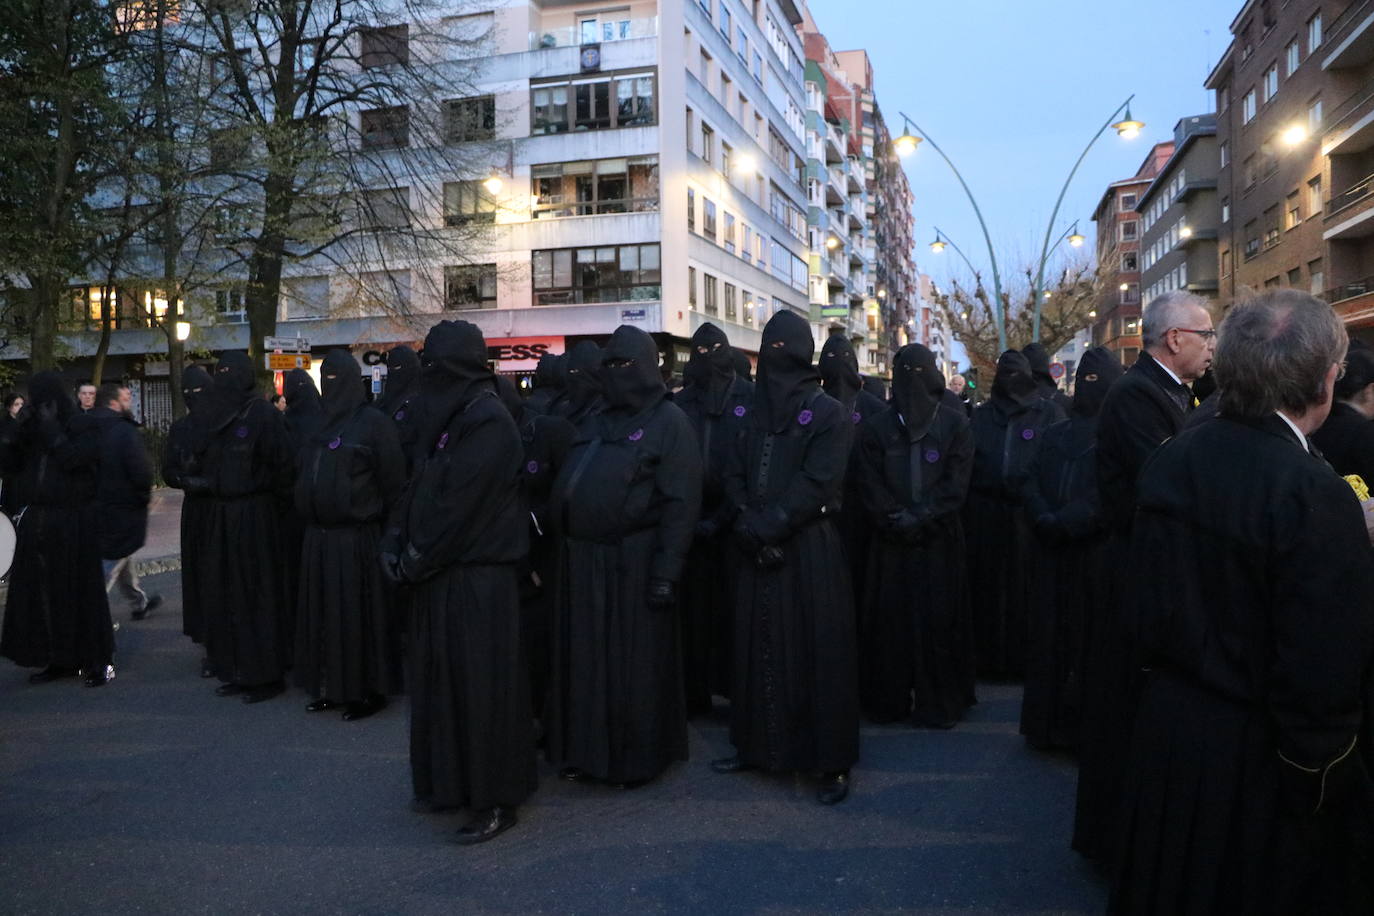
<point x="1013" y="89"/>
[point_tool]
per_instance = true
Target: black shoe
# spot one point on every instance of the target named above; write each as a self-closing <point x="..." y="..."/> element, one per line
<point x="486" y="825"/>
<point x="207" y="667"/>
<point x="573" y="774"/>
<point x="99" y="676"/>
<point x="733" y="764"/>
<point x="229" y="690"/>
<point x="834" y="788"/>
<point x="320" y="705"/>
<point x="263" y="692"/>
<point x="52" y="673"/>
<point x="363" y="709"/>
<point x="148" y="607"/>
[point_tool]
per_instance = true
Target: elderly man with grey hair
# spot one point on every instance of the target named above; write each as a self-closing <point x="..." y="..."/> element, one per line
<point x="1145" y="407"/>
<point x="1244" y="791"/>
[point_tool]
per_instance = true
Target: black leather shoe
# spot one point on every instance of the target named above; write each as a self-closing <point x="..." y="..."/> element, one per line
<point x="149" y="606"/>
<point x="263" y="692"/>
<point x="834" y="788"/>
<point x="733" y="764"/>
<point x="229" y="690"/>
<point x="99" y="676"/>
<point x="573" y="774"/>
<point x="320" y="705"/>
<point x="51" y="673"/>
<point x="486" y="825"/>
<point x="362" y="710"/>
<point x="207" y="667"/>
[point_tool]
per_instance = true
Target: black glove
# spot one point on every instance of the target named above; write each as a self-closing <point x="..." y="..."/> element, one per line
<point x="769" y="524"/>
<point x="749" y="541"/>
<point x="661" y="595"/>
<point x="412" y="565"/>
<point x="769" y="557"/>
<point x="195" y="486"/>
<point x="707" y="528"/>
<point x="391" y="568"/>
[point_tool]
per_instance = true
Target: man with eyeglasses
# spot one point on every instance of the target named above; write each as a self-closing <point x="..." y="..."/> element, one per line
<point x="1145" y="407"/>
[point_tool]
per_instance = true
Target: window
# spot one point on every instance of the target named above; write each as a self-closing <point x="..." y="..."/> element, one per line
<point x="1293" y="56"/>
<point x="1225" y="262"/>
<point x="467" y="202"/>
<point x="747" y="244"/>
<point x="758" y="67"/>
<point x="1223" y="98"/>
<point x="691" y="210"/>
<point x="380" y="292"/>
<point x="1271" y="82"/>
<point x="1317" y="278"/>
<point x="1130" y="294"/>
<point x="609" y="273"/>
<point x="470" y="286"/>
<point x="746" y="299"/>
<point x="1248" y="172"/>
<point x="1128" y="230"/>
<point x="1314" y="33"/>
<point x="708" y="221"/>
<point x="725" y="22"/>
<point x="1225" y="151"/>
<point x="1271" y="283"/>
<point x="708" y="144"/>
<point x="742" y="45"/>
<point x="730" y="232"/>
<point x="229" y="306"/>
<point x="386" y="128"/>
<point x="228" y="148"/>
<point x="1128" y="201"/>
<point x="385" y="46"/>
<point x="589" y="187"/>
<point x="467" y="120"/>
<point x="1314" y="116"/>
<point x="727" y="91"/>
<point x="1295" y="276"/>
<point x="1314" y="196"/>
<point x="705" y="69"/>
<point x="1130" y="262"/>
<point x="709" y="294"/>
<point x="598" y="103"/>
<point x="1247" y="107"/>
<point x="385" y="208"/>
<point x="1291" y="212"/>
<point x="1226" y="209"/>
<point x="1271" y="227"/>
<point x="731" y="303"/>
<point x="692" y="288"/>
<point x="725" y="152"/>
<point x="304" y="297"/>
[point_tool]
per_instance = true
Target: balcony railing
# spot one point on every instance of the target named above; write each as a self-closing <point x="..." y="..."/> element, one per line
<point x="1348" y="110"/>
<point x="605" y="31"/>
<point x="1355" y="14"/>
<point x="1349" y="290"/>
<point x="1351" y="196"/>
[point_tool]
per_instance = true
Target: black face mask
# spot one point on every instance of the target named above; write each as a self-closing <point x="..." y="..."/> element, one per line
<point x="546" y="373"/>
<point x="234" y="386"/>
<point x="743" y="368"/>
<point x="1095" y="374"/>
<point x="195" y="382"/>
<point x="510" y="397"/>
<point x="584" y="375"/>
<point x="402" y="378"/>
<point x="630" y="372"/>
<point x="839" y="369"/>
<point x="1013" y="381"/>
<point x="302" y="397"/>
<point x="341" y="379"/>
<point x="453" y="371"/>
<point x="786" y="377"/>
<point x="916" y="387"/>
<point x="1039" y="359"/>
<point x="711" y="367"/>
<point x="46" y="389"/>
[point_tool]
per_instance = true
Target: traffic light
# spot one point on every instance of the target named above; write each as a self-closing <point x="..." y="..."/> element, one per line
<point x="971" y="378"/>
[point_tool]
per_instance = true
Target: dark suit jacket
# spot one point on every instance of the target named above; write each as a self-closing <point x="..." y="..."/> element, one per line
<point x="1346" y="440"/>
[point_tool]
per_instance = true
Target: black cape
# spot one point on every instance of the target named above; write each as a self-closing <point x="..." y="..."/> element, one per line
<point x="126" y="484"/>
<point x="181" y="459"/>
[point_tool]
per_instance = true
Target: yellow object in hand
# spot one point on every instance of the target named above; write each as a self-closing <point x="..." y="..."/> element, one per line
<point x="1358" y="485"/>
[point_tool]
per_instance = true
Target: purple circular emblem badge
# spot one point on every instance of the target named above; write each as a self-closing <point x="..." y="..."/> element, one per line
<point x="739" y="410"/>
<point x="856" y="416"/>
<point x="399" y="415"/>
<point x="1028" y="434"/>
<point x="335" y="442"/>
<point x="636" y="435"/>
<point x="241" y="432"/>
<point x="443" y="440"/>
<point x="532" y="467"/>
<point x="932" y="456"/>
<point x="804" y="418"/>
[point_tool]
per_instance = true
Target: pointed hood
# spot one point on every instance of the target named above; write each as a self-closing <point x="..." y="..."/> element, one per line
<point x="341" y="377"/>
<point x="302" y="397"/>
<point x="47" y="389"/>
<point x="234" y="386"/>
<point x="1039" y="359"/>
<point x="1013" y="383"/>
<point x="453" y="370"/>
<point x="786" y="377"/>
<point x="510" y="397"/>
<point x="1096" y="372"/>
<point x="195" y="386"/>
<point x="743" y="367"/>
<point x="711" y="367"/>
<point x="630" y="373"/>
<point x="916" y="388"/>
<point x="546" y="373"/>
<point x="402" y="379"/>
<point x="839" y="369"/>
<point x="583" y="388"/>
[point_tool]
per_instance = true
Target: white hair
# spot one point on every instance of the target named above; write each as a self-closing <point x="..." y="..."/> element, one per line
<point x="1169" y="310"/>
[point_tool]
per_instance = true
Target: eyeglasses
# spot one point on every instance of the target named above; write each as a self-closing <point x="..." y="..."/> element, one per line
<point x="1205" y="334"/>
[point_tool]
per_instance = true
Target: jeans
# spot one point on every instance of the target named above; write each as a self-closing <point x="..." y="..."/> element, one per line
<point x="120" y="576"/>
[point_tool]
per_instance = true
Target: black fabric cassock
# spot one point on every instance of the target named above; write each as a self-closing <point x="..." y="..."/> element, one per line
<point x="582" y="395"/>
<point x="716" y="401"/>
<point x="1068" y="559"/>
<point x="181" y="458"/>
<point x="1143" y="408"/>
<point x="1346" y="439"/>
<point x="400" y="399"/>
<point x="304" y="412"/>
<point x="246" y="473"/>
<point x="546" y="385"/>
<point x="795" y="689"/>
<point x="1243" y="790"/>
<point x="351" y="473"/>
<point x="1045" y="385"/>
<point x="840" y="378"/>
<point x="457" y="535"/>
<point x="914" y="462"/>
<point x="1006" y="434"/>
<point x="626" y="503"/>
<point x="56" y="612"/>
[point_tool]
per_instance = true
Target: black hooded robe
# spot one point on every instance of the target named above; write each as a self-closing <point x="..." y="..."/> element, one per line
<point x="716" y="401"/>
<point x="245" y="574"/>
<point x="352" y="471"/>
<point x="794" y="700"/>
<point x="56" y="611"/>
<point x="1045" y="385"/>
<point x="1068" y="553"/>
<point x="456" y="536"/>
<point x="916" y="641"/>
<point x="181" y="458"/>
<point x="582" y="390"/>
<point x="1006" y="433"/>
<point x="400" y="399"/>
<point x="626" y="503"/>
<point x="547" y="385"/>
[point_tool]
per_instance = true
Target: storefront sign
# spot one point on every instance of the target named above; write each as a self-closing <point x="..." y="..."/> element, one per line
<point x="521" y="354"/>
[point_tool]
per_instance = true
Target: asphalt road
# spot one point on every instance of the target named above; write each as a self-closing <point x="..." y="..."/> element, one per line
<point x="152" y="795"/>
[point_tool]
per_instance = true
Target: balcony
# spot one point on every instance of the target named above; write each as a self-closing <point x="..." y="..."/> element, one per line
<point x="834" y="145"/>
<point x="600" y="31"/>
<point x="1351" y="38"/>
<point x="1350" y="290"/>
<point x="1351" y="127"/>
<point x="1350" y="214"/>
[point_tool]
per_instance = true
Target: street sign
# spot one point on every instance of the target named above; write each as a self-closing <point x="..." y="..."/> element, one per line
<point x="377" y="372"/>
<point x="283" y="361"/>
<point x="1056" y="371"/>
<point x="634" y="314"/>
<point x="290" y="344"/>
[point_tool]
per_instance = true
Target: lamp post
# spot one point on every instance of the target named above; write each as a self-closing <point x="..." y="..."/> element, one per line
<point x="1128" y="128"/>
<point x="905" y="145"/>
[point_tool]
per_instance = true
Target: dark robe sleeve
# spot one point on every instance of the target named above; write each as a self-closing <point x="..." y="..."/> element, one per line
<point x="821" y="473"/>
<point x="734" y="479"/>
<point x="1032" y="497"/>
<point x="391" y="461"/>
<point x="870" y="456"/>
<point x="678" y="482"/>
<point x="948" y="493"/>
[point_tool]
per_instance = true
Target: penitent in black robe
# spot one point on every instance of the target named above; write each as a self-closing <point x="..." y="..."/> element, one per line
<point x="400" y="399"/>
<point x="458" y="534"/>
<point x="245" y="573"/>
<point x="916" y="644"/>
<point x="56" y="612"/>
<point x="626" y="503"/>
<point x="794" y="701"/>
<point x="351" y="472"/>
<point x="1006" y="433"/>
<point x="181" y="458"/>
<point x="716" y="401"/>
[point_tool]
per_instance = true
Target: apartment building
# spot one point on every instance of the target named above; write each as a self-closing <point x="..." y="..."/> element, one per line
<point x="1295" y="133"/>
<point x="1180" y="215"/>
<point x="1116" y="322"/>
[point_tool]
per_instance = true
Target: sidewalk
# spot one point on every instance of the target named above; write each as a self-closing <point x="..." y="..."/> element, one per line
<point x="161" y="551"/>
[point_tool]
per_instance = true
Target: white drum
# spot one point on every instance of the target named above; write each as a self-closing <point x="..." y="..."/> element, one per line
<point x="8" y="539"/>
